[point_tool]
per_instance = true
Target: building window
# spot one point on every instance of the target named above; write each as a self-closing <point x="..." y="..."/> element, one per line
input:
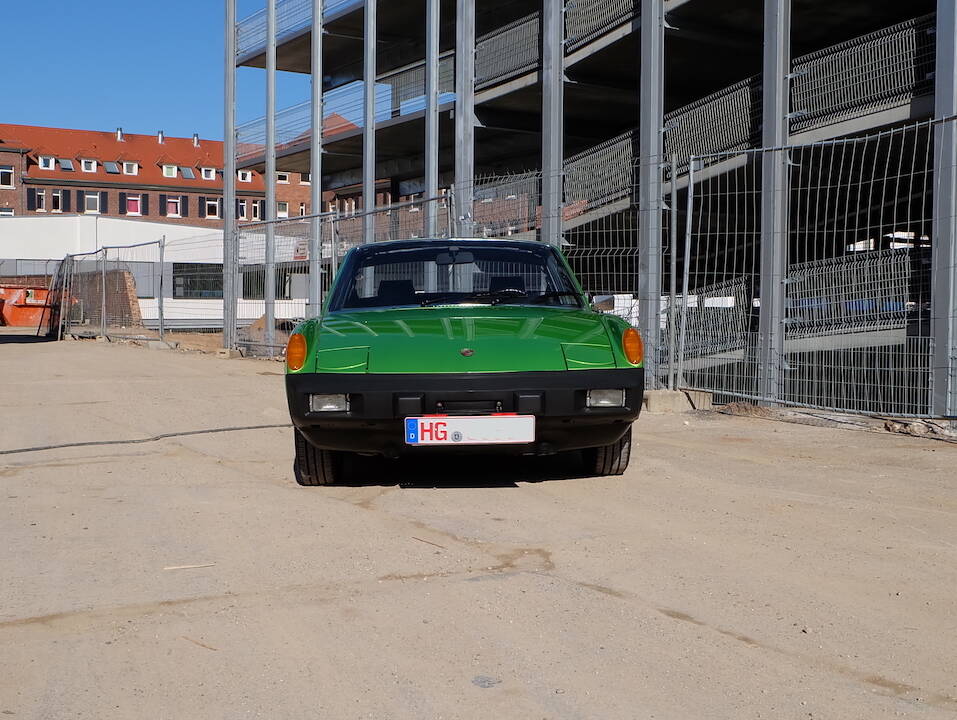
<point x="169" y="171"/>
<point x="209" y="173"/>
<point x="188" y="173"/>
<point x="212" y="207"/>
<point x="88" y="165"/>
<point x="282" y="209"/>
<point x="66" y="164"/>
<point x="134" y="204"/>
<point x="302" y="209"/>
<point x="41" y="201"/>
<point x="130" y="168"/>
<point x="6" y="176"/>
<point x="56" y="201"/>
<point x="6" y="212"/>
<point x="282" y="178"/>
<point x="245" y="175"/>
<point x="304" y="178"/>
<point x="242" y="209"/>
<point x="47" y="162"/>
<point x="256" y="214"/>
<point x="197" y="280"/>
<point x="91" y="202"/>
<point x="172" y="206"/>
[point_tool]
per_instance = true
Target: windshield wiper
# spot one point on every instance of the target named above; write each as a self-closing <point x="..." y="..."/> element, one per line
<point x="496" y="296"/>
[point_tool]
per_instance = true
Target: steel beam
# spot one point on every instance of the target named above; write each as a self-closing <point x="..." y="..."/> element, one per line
<point x="269" y="289"/>
<point x="315" y="164"/>
<point x="368" y="122"/>
<point x="651" y="145"/>
<point x="774" y="197"/>
<point x="943" y="303"/>
<point x="553" y="126"/>
<point x="230" y="253"/>
<point x="432" y="29"/>
<point x="464" y="115"/>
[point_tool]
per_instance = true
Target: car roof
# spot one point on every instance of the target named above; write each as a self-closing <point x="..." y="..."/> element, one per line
<point x="425" y="242"/>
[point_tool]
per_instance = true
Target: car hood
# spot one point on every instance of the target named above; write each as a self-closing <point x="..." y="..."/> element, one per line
<point x="456" y="339"/>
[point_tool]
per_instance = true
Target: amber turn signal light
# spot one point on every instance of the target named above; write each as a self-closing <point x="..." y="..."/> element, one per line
<point x="296" y="352"/>
<point x="632" y="345"/>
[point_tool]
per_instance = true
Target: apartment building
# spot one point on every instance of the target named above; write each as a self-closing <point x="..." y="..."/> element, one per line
<point x="46" y="171"/>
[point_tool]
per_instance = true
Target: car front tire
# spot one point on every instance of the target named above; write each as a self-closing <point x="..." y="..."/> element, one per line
<point x="314" y="466"/>
<point x="609" y="459"/>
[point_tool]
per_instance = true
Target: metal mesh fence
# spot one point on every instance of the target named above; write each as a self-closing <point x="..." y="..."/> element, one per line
<point x="857" y="279"/>
<point x="112" y="292"/>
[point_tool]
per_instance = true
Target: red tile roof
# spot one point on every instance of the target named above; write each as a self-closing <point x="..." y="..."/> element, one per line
<point x="104" y="147"/>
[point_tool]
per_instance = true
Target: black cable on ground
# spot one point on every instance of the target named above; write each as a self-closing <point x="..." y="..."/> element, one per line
<point x="93" y="443"/>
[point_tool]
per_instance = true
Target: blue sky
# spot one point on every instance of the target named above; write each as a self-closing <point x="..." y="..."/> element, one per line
<point x="107" y="64"/>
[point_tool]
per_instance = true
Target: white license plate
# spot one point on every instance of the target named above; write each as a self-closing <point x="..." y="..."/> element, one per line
<point x="470" y="430"/>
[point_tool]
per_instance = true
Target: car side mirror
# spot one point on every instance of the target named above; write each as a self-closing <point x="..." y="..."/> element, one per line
<point x="602" y="303"/>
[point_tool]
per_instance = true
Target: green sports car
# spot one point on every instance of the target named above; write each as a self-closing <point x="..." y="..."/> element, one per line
<point x="460" y="345"/>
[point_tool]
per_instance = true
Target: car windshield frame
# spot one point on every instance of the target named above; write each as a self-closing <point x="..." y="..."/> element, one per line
<point x="556" y="282"/>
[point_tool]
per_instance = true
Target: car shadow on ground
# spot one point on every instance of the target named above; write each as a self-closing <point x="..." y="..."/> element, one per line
<point x="461" y="471"/>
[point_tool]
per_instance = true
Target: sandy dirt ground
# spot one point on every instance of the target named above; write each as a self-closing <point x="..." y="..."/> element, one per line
<point x="742" y="568"/>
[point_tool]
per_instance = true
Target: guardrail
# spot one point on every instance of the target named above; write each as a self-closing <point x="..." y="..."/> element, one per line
<point x="586" y="20"/>
<point x="881" y="70"/>
<point x="401" y="92"/>
<point x="499" y="56"/>
<point x="292" y="16"/>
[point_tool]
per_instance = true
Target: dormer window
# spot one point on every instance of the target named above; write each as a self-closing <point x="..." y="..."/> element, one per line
<point x="169" y="171"/>
<point x="245" y="175"/>
<point x="130" y="168"/>
<point x="209" y="173"/>
<point x="88" y="165"/>
<point x="47" y="162"/>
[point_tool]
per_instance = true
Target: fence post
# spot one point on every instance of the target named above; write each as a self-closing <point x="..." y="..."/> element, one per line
<point x="686" y="272"/>
<point x="553" y="87"/>
<point x="334" y="259"/>
<point x="944" y="245"/>
<point x="651" y="140"/>
<point x="673" y="289"/>
<point x="269" y="259"/>
<point x="464" y="115"/>
<point x="103" y="292"/>
<point x="229" y="180"/>
<point x="67" y="266"/>
<point x="432" y="31"/>
<point x="315" y="163"/>
<point x="159" y="295"/>
<point x="774" y="197"/>
<point x="369" y="37"/>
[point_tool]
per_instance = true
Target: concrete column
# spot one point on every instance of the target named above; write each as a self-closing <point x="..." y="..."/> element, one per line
<point x="431" y="115"/>
<point x="464" y="115"/>
<point x="230" y="249"/>
<point x="774" y="197"/>
<point x="553" y="131"/>
<point x="368" y="128"/>
<point x="315" y="164"/>
<point x="943" y="303"/>
<point x="651" y="144"/>
<point x="269" y="290"/>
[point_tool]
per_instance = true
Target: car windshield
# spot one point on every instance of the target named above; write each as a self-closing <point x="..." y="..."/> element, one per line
<point x="454" y="273"/>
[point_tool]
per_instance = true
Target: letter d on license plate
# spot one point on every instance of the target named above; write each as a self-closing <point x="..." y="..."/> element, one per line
<point x="470" y="430"/>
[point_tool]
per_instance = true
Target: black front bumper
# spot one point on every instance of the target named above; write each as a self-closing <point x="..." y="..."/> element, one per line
<point x="378" y="405"/>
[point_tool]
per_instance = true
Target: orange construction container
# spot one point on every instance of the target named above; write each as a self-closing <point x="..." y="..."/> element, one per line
<point x="23" y="305"/>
